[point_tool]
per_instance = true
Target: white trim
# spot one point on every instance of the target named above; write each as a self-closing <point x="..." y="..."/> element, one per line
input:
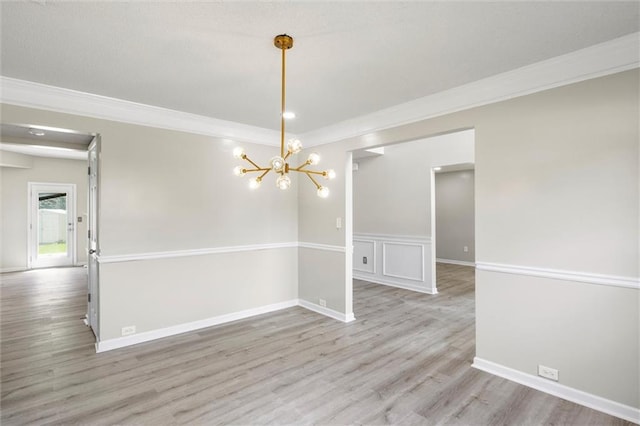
<point x="455" y="262"/>
<point x="326" y="247"/>
<point x="326" y="311"/>
<point x="559" y="274"/>
<point x="384" y="260"/>
<point x="193" y="252"/>
<point x="41" y="96"/>
<point x="419" y="239"/>
<point x="120" y="342"/>
<point x="348" y="236"/>
<point x="562" y="391"/>
<point x="375" y="255"/>
<point x="602" y="59"/>
<point x="405" y="286"/>
<point x="16" y="269"/>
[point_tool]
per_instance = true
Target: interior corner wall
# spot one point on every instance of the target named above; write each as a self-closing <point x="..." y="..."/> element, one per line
<point x="455" y="216"/>
<point x="322" y="261"/>
<point x="182" y="239"/>
<point x="15" y="205"/>
<point x="557" y="195"/>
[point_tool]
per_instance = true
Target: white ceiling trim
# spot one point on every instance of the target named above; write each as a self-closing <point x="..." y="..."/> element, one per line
<point x="41" y="96"/>
<point x="599" y="60"/>
<point x="614" y="56"/>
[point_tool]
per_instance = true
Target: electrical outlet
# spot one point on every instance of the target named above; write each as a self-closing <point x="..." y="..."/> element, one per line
<point x="323" y="303"/>
<point x="129" y="330"/>
<point x="548" y="372"/>
<point x="364" y="260"/>
<point x="465" y="249"/>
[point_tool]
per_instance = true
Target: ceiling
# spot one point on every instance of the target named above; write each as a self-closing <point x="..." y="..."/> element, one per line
<point x="42" y="141"/>
<point x="217" y="59"/>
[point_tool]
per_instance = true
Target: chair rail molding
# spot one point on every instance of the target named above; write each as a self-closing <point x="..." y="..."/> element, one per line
<point x="561" y="274"/>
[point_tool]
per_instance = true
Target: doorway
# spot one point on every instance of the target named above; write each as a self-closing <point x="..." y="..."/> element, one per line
<point x="393" y="192"/>
<point x="453" y="215"/>
<point x="52" y="231"/>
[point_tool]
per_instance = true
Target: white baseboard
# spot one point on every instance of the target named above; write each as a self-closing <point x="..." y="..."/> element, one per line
<point x="120" y="342"/>
<point x="377" y="280"/>
<point x="562" y="391"/>
<point x="455" y="262"/>
<point x="326" y="311"/>
<point x="4" y="270"/>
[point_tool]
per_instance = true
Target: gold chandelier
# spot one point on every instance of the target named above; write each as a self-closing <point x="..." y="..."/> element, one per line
<point x="279" y="164"/>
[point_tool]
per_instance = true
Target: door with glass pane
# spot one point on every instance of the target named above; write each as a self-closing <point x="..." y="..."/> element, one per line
<point x="52" y="231"/>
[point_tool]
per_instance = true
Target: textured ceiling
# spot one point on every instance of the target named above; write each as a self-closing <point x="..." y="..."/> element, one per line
<point x="349" y="58"/>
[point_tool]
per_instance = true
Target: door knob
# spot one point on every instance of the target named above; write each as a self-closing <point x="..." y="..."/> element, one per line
<point x="91" y="251"/>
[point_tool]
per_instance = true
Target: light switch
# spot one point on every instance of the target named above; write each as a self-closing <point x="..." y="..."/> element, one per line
<point x="338" y="223"/>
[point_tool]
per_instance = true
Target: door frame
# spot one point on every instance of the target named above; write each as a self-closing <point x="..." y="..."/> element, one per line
<point x="32" y="246"/>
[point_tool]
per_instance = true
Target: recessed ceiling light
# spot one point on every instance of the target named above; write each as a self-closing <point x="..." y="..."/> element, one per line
<point x="36" y="132"/>
<point x="437" y="169"/>
<point x="289" y="115"/>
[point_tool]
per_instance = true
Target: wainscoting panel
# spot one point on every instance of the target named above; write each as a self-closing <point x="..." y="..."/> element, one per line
<point x="364" y="251"/>
<point x="397" y="260"/>
<point x="403" y="260"/>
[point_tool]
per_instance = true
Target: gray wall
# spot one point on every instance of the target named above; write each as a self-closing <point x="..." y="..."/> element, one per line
<point x="392" y="192"/>
<point x="455" y="217"/>
<point x="166" y="191"/>
<point x="556" y="188"/>
<point x="14" y="203"/>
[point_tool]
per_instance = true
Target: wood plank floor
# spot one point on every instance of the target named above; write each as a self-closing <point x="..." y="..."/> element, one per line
<point x="406" y="360"/>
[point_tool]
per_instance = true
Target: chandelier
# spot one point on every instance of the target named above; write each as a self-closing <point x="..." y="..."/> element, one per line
<point x="280" y="164"/>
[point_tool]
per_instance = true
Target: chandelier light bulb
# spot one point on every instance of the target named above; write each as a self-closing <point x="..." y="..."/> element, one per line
<point x="239" y="171"/>
<point x="329" y="174"/>
<point x="289" y="115"/>
<point x="295" y="146"/>
<point x="323" y="192"/>
<point x="314" y="158"/>
<point x="283" y="182"/>
<point x="255" y="183"/>
<point x="238" y="152"/>
<point x="277" y="163"/>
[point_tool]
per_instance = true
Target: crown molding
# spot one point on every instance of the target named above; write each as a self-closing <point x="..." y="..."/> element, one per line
<point x="602" y="59"/>
<point x="41" y="96"/>
<point x="611" y="57"/>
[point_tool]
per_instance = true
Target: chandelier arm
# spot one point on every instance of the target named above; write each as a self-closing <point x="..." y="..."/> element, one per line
<point x="252" y="163"/>
<point x="259" y="169"/>
<point x="313" y="180"/>
<point x="264" y="174"/>
<point x="287" y="156"/>
<point x="322" y="173"/>
<point x="301" y="166"/>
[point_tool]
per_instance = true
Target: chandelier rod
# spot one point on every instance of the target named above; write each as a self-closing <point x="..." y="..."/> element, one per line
<point x="283" y="47"/>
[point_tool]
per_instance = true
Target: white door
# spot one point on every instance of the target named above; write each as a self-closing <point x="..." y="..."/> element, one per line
<point x="52" y="230"/>
<point x="92" y="234"/>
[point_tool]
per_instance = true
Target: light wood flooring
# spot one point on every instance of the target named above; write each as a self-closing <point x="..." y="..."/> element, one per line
<point x="405" y="360"/>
